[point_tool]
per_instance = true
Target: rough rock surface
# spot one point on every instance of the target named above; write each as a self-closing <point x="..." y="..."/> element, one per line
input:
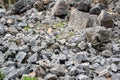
<point x="36" y="41"/>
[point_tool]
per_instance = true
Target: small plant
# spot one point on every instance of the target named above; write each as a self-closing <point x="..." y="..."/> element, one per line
<point x="29" y="78"/>
<point x="59" y="24"/>
<point x="2" y="76"/>
<point x="27" y="28"/>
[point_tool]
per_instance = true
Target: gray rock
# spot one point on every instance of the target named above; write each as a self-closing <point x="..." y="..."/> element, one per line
<point x="62" y="58"/>
<point x="81" y="56"/>
<point x="107" y="53"/>
<point x="2" y="29"/>
<point x="78" y="20"/>
<point x="114" y="67"/>
<point x="117" y="7"/>
<point x="60" y="9"/>
<point x="1" y="58"/>
<point x="82" y="77"/>
<point x="82" y="45"/>
<point x="20" y="56"/>
<point x="58" y="70"/>
<point x="104" y="73"/>
<point x="68" y="77"/>
<point x="51" y="77"/>
<point x="36" y="48"/>
<point x="116" y="48"/>
<point x="33" y="58"/>
<point x="105" y="19"/>
<point x="99" y="78"/>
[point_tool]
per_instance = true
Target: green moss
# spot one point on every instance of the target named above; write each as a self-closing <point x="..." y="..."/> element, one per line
<point x="58" y="37"/>
<point x="29" y="78"/>
<point x="2" y="76"/>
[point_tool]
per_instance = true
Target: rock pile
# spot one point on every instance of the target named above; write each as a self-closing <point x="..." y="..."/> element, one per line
<point x="61" y="40"/>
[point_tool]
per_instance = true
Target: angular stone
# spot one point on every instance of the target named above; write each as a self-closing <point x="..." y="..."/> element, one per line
<point x="81" y="56"/>
<point x="33" y="58"/>
<point x="39" y="5"/>
<point x="107" y="53"/>
<point x="114" y="67"/>
<point x="82" y="45"/>
<point x="20" y="56"/>
<point x="58" y="70"/>
<point x="60" y="9"/>
<point x="95" y="9"/>
<point x="12" y="30"/>
<point x="78" y="20"/>
<point x="105" y="19"/>
<point x="84" y="6"/>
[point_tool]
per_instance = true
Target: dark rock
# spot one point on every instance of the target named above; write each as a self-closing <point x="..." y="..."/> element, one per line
<point x="105" y="19"/>
<point x="20" y="56"/>
<point x="95" y="9"/>
<point x="39" y="5"/>
<point x="84" y="6"/>
<point x="60" y="9"/>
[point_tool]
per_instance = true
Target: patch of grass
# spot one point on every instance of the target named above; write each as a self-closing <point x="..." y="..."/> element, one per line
<point x="59" y="24"/>
<point x="71" y="33"/>
<point x="58" y="37"/>
<point x="29" y="78"/>
<point x="2" y="76"/>
<point x="27" y="28"/>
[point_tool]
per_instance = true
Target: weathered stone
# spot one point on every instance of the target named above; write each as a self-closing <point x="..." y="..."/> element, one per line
<point x="60" y="9"/>
<point x="97" y="35"/>
<point x="114" y="67"/>
<point x="12" y="30"/>
<point x="105" y="19"/>
<point x="78" y="20"/>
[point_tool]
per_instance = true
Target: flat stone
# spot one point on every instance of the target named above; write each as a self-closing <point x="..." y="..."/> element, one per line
<point x="78" y="20"/>
<point x="82" y="45"/>
<point x="1" y="58"/>
<point x="114" y="67"/>
<point x="20" y="56"/>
